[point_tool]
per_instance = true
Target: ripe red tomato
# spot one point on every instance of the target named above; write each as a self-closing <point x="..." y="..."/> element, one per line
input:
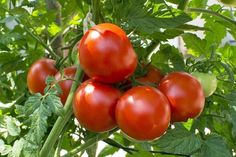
<point x="38" y="72"/>
<point x="185" y="95"/>
<point x="153" y="75"/>
<point x="106" y="54"/>
<point x="94" y="106"/>
<point x="65" y="85"/>
<point x="143" y="113"/>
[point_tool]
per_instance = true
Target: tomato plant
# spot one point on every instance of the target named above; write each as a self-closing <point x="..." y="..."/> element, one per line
<point x="105" y="39"/>
<point x="106" y="54"/>
<point x="38" y="72"/>
<point x="94" y="106"/>
<point x="208" y="82"/>
<point x="143" y="113"/>
<point x="185" y="95"/>
<point x="65" y="84"/>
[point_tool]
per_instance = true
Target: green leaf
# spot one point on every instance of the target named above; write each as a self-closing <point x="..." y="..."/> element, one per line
<point x="198" y="3"/>
<point x="8" y="19"/>
<point x="167" y="34"/>
<point x="192" y="27"/>
<point x="179" y="141"/>
<point x="228" y="53"/>
<point x="150" y="24"/>
<point x="3" y="47"/>
<point x="215" y="146"/>
<point x="31" y="104"/>
<point x="188" y="124"/>
<point x="13" y="126"/>
<point x="10" y="37"/>
<point x="54" y="104"/>
<point x="4" y="149"/>
<point x="39" y="108"/>
<point x="108" y="150"/>
<point x="140" y="154"/>
<point x="17" y="147"/>
<point x="9" y="126"/>
<point x="195" y="43"/>
<point x="54" y="29"/>
<point x="168" y="59"/>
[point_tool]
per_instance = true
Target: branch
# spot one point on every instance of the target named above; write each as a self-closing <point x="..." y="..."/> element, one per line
<point x="38" y="39"/>
<point x="130" y="150"/>
<point x="58" y="41"/>
<point x="199" y="10"/>
<point x="61" y="121"/>
<point x="51" y="52"/>
<point x="89" y="143"/>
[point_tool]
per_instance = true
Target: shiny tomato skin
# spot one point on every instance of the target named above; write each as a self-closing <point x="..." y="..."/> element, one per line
<point x="143" y="113"/>
<point x="94" y="106"/>
<point x="185" y="95"/>
<point x="69" y="74"/>
<point x="38" y="72"/>
<point x="153" y="76"/>
<point x="106" y="54"/>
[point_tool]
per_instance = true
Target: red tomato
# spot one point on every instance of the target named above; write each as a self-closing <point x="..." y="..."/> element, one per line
<point x="153" y="75"/>
<point x="106" y="54"/>
<point x="94" y="106"/>
<point x="185" y="95"/>
<point x="65" y="85"/>
<point x="38" y="72"/>
<point x="143" y="113"/>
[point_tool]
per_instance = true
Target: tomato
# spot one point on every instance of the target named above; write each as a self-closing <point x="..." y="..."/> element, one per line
<point x="185" y="95"/>
<point x="153" y="75"/>
<point x="228" y="2"/>
<point x="208" y="82"/>
<point x="65" y="85"/>
<point x="106" y="54"/>
<point x="143" y="113"/>
<point x="38" y="72"/>
<point x="94" y="106"/>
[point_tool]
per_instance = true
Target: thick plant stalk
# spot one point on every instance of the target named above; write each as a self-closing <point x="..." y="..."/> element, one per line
<point x="61" y="121"/>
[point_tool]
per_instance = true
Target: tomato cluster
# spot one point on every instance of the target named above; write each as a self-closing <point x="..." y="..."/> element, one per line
<point x="142" y="112"/>
<point x="41" y="69"/>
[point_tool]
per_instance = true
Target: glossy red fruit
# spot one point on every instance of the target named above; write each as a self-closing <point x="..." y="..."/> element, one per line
<point x="106" y="54"/>
<point x="94" y="106"/>
<point x="38" y="72"/>
<point x="68" y="75"/>
<point x="185" y="95"/>
<point x="143" y="113"/>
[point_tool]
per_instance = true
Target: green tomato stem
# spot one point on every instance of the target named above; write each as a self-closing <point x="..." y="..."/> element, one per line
<point x="61" y="121"/>
<point x="199" y="10"/>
